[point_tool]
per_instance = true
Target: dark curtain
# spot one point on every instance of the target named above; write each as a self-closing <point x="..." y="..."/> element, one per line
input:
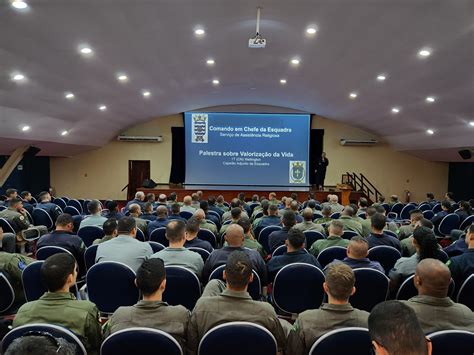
<point x="178" y="156"/>
<point x="460" y="181"/>
<point x="316" y="140"/>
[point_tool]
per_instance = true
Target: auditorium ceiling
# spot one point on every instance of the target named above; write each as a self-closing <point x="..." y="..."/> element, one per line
<point x="146" y="60"/>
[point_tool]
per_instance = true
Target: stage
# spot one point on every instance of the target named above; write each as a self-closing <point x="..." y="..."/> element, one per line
<point x="230" y="192"/>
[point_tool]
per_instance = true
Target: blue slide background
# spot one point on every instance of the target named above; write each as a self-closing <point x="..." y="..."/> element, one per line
<point x="224" y="133"/>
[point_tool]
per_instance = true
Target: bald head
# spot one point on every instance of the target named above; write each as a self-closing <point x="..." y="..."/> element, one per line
<point x="308" y="214"/>
<point x="161" y="211"/>
<point x="199" y="214"/>
<point x="234" y="235"/>
<point x="187" y="200"/>
<point x="358" y="248"/>
<point x="432" y="278"/>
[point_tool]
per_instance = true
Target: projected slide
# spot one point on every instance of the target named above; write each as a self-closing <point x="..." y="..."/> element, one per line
<point x="247" y="149"/>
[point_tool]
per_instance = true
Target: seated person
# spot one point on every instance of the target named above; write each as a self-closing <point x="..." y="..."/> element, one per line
<point x="200" y="215"/>
<point x="187" y="205"/>
<point x="110" y="231"/>
<point x="220" y="203"/>
<point x="434" y="309"/>
<point x="114" y="212"/>
<point x="235" y="213"/>
<point x="462" y="266"/>
<point x="211" y="200"/>
<point x="12" y="265"/>
<point x="378" y="237"/>
<point x="175" y="212"/>
<point x="408" y="248"/>
<point x="148" y="212"/>
<point x="336" y="230"/>
<point x="407" y="230"/>
<point x="139" y="200"/>
<point x="204" y="205"/>
<point x="64" y="237"/>
<point x="45" y="204"/>
<point x="277" y="238"/>
<point x="349" y="222"/>
<point x="250" y="241"/>
<point x="233" y="304"/>
<point x="426" y="247"/>
<point x="192" y="240"/>
<point x="326" y="218"/>
<point x="366" y="223"/>
<point x="337" y="313"/>
<point x="152" y="312"/>
<point x="176" y="254"/>
<point x="95" y="218"/>
<point x="40" y="344"/>
<point x="464" y="210"/>
<point x="270" y="217"/>
<point x="124" y="248"/>
<point x="58" y="306"/>
<point x="295" y="254"/>
<point x="161" y="219"/>
<point x="357" y="251"/>
<point x="28" y="202"/>
<point x="7" y="241"/>
<point x="234" y="203"/>
<point x="235" y="241"/>
<point x="394" y="329"/>
<point x="294" y="205"/>
<point x="446" y="208"/>
<point x="135" y="211"/>
<point x="308" y="224"/>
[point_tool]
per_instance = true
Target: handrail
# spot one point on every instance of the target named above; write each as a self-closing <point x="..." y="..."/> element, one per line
<point x="361" y="183"/>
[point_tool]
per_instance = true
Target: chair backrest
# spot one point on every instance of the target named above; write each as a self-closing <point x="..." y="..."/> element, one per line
<point x="408" y="290"/>
<point x="55" y="330"/>
<point x="298" y="287"/>
<point x="143" y="341"/>
<point x="392" y="215"/>
<point x="317" y="215"/>
<point x="3" y="208"/>
<point x="76" y="204"/>
<point x="459" y="342"/>
<point x="42" y="218"/>
<point x="89" y="256"/>
<point x="386" y="255"/>
<point x="60" y="202"/>
<point x="229" y="221"/>
<point x="466" y="293"/>
<point x="349" y="234"/>
<point x="467" y="222"/>
<point x="203" y="252"/>
<point x="110" y="285"/>
<point x="140" y="235"/>
<point x="311" y="237"/>
<point x="73" y="211"/>
<point x="159" y="235"/>
<point x="7" y="295"/>
<point x="428" y="214"/>
<point x="32" y="284"/>
<point x="90" y="233"/>
<point x="282" y="249"/>
<point x="6" y="226"/>
<point x="335" y="215"/>
<point x="329" y="254"/>
<point x="236" y="338"/>
<point x="448" y="223"/>
<point x="185" y="214"/>
<point x="44" y="253"/>
<point x="437" y="208"/>
<point x="405" y="212"/>
<point x="182" y="287"/>
<point x="254" y="289"/>
<point x="155" y="246"/>
<point x="85" y="205"/>
<point x="362" y="215"/>
<point x="371" y="288"/>
<point x="397" y="208"/>
<point x="207" y="235"/>
<point x="386" y="206"/>
<point x="264" y="234"/>
<point x="215" y="214"/>
<point x="424" y="207"/>
<point x="391" y="233"/>
<point x="353" y="340"/>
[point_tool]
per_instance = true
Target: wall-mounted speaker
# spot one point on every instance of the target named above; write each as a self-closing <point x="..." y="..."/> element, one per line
<point x="465" y="154"/>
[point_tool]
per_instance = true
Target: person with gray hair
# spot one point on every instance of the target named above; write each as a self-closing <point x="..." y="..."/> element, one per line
<point x="308" y="224"/>
<point x="336" y="230"/>
<point x="95" y="218"/>
<point x="160" y="221"/>
<point x="350" y="223"/>
<point x="139" y="199"/>
<point x="135" y="211"/>
<point x="333" y="202"/>
<point x="200" y="215"/>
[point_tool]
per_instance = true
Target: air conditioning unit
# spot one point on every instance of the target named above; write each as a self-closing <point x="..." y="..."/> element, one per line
<point x="157" y="139"/>
<point x="358" y="142"/>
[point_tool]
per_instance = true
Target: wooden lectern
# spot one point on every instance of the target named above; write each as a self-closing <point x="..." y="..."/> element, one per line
<point x="345" y="193"/>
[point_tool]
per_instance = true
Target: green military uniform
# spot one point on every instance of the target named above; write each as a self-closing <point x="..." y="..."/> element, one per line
<point x="203" y="224"/>
<point x="141" y="223"/>
<point x="256" y="210"/>
<point x="309" y="226"/>
<point x="405" y="231"/>
<point x="62" y="308"/>
<point x="351" y="224"/>
<point x="224" y="228"/>
<point x="366" y="227"/>
<point x="223" y="207"/>
<point x="408" y="249"/>
<point x="12" y="265"/>
<point x="323" y="220"/>
<point x="312" y="324"/>
<point x="173" y="320"/>
<point x="21" y="224"/>
<point x="331" y="241"/>
<point x="104" y="239"/>
<point x="251" y="243"/>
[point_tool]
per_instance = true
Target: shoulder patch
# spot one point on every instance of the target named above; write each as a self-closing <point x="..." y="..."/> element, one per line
<point x="21" y="265"/>
<point x="22" y="217"/>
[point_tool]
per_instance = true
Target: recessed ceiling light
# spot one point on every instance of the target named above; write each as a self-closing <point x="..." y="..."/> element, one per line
<point x="471" y="123"/>
<point x="381" y="77"/>
<point x="395" y="109"/>
<point x="311" y="30"/>
<point x="283" y="81"/>
<point x="295" y="61"/>
<point x="122" y="77"/>
<point x="25" y="128"/>
<point x="146" y="93"/>
<point x="210" y="61"/>
<point x="64" y="133"/>
<point x="215" y="82"/>
<point x="86" y="50"/>
<point x="430" y="99"/>
<point x="430" y="131"/>
<point x="424" y="52"/>
<point x="19" y="4"/>
<point x="69" y="95"/>
<point x="199" y="32"/>
<point x="102" y="107"/>
<point x="353" y="95"/>
<point x="18" y="77"/>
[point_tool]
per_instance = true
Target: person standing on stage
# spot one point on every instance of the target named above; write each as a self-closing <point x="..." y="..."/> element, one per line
<point x="320" y="171"/>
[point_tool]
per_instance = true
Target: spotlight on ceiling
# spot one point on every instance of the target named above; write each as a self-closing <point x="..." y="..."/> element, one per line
<point x="19" y="4"/>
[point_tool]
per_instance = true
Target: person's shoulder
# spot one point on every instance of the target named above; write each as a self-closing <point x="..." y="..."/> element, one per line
<point x="179" y="312"/>
<point x="361" y="313"/>
<point x="83" y="305"/>
<point x="25" y="308"/>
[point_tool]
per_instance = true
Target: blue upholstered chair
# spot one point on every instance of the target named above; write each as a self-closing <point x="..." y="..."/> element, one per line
<point x="159" y="235"/>
<point x="42" y="218"/>
<point x="44" y="253"/>
<point x="237" y="338"/>
<point x="329" y="254"/>
<point x="448" y="223"/>
<point x="371" y="288"/>
<point x="459" y="342"/>
<point x="7" y="295"/>
<point x="32" y="284"/>
<point x="89" y="256"/>
<point x="73" y="211"/>
<point x="182" y="287"/>
<point x="207" y="235"/>
<point x="349" y="234"/>
<point x="351" y="340"/>
<point x="311" y="237"/>
<point x="90" y="233"/>
<point x="76" y="204"/>
<point x="203" y="252"/>
<point x="155" y="246"/>
<point x="466" y="293"/>
<point x="264" y="234"/>
<point x="386" y="255"/>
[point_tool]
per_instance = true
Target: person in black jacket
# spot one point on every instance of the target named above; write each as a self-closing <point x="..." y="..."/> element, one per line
<point x="321" y="166"/>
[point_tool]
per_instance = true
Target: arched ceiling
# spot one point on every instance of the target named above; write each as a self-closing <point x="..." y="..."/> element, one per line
<point x="154" y="43"/>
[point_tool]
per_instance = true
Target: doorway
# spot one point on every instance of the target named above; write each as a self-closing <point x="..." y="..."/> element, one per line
<point x="138" y="170"/>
